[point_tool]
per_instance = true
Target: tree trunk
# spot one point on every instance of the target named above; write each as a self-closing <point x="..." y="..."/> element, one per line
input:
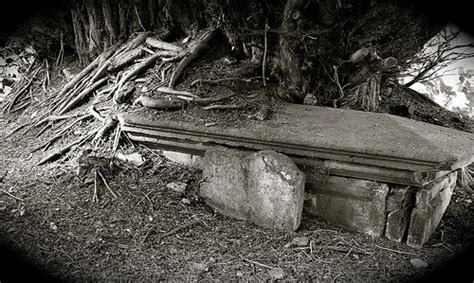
<point x="290" y="63"/>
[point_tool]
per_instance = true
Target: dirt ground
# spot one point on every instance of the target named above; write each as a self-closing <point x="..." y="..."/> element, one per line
<point x="140" y="229"/>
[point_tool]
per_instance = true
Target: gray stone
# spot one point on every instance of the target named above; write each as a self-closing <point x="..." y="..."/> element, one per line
<point x="178" y="187"/>
<point x="266" y="188"/>
<point x="400" y="202"/>
<point x="419" y="263"/>
<point x="225" y="182"/>
<point x="277" y="273"/>
<point x="183" y="158"/>
<point x="275" y="190"/>
<point x="357" y="205"/>
<point x="299" y="242"/>
<point x="431" y="203"/>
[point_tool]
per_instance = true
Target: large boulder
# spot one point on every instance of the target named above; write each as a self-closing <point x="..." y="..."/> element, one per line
<point x="266" y="187"/>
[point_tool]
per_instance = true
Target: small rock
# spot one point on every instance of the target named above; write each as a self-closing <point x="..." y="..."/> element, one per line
<point x="239" y="274"/>
<point x="310" y="99"/>
<point x="277" y="273"/>
<point x="198" y="267"/>
<point x="53" y="226"/>
<point x="186" y="201"/>
<point x="210" y="124"/>
<point x="299" y="242"/>
<point x="178" y="187"/>
<point x="419" y="263"/>
<point x="134" y="158"/>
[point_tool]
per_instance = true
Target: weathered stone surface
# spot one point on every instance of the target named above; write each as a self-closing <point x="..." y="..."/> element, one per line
<point x="183" y="158"/>
<point x="400" y="202"/>
<point x="357" y="205"/>
<point x="275" y="190"/>
<point x="266" y="188"/>
<point x="225" y="182"/>
<point x="431" y="203"/>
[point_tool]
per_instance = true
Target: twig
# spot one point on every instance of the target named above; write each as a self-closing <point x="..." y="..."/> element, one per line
<point x="155" y="43"/>
<point x="17" y="129"/>
<point x="256" y="263"/>
<point x="345" y="250"/>
<point x="207" y="99"/>
<point x="264" y="60"/>
<point x="95" y="197"/>
<point x="138" y="17"/>
<point x="82" y="95"/>
<point x="169" y="90"/>
<point x="223" y="107"/>
<point x="395" y="251"/>
<point x="96" y="114"/>
<point x="167" y="234"/>
<point x="10" y="195"/>
<point x="65" y="149"/>
<point x="201" y="81"/>
<point x="105" y="183"/>
<point x="336" y="80"/>
<point x="59" y="134"/>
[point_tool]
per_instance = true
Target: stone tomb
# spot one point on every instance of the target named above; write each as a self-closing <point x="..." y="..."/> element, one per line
<point x="373" y="173"/>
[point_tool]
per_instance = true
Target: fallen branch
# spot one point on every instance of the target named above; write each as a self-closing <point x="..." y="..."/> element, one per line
<point x="204" y="100"/>
<point x="66" y="148"/>
<point x="395" y="251"/>
<point x="109" y="124"/>
<point x="124" y="93"/>
<point x="55" y="118"/>
<point x="177" y="229"/>
<point x="105" y="183"/>
<point x="82" y="95"/>
<point x="257" y="263"/>
<point x="17" y="129"/>
<point x="59" y="134"/>
<point x="159" y="103"/>
<point x="265" y="50"/>
<point x="78" y="78"/>
<point x="94" y="113"/>
<point x="192" y="53"/>
<point x="224" y="107"/>
<point x="158" y="44"/>
<point x="168" y="90"/>
<point x="95" y="197"/>
<point x="22" y="90"/>
<point x="124" y="59"/>
<point x="201" y="81"/>
<point x="10" y="195"/>
<point x="139" y="68"/>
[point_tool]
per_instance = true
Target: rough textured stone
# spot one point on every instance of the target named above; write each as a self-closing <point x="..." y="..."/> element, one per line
<point x="431" y="203"/>
<point x="225" y="182"/>
<point x="357" y="205"/>
<point x="275" y="190"/>
<point x="183" y="158"/>
<point x="400" y="202"/>
<point x="266" y="187"/>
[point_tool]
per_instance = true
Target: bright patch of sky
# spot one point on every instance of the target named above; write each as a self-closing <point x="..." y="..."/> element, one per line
<point x="452" y="86"/>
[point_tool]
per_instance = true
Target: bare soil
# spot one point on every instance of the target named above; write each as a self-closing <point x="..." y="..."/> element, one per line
<point x="150" y="232"/>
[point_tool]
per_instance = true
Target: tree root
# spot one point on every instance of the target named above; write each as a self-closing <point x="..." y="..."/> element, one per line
<point x="191" y="54"/>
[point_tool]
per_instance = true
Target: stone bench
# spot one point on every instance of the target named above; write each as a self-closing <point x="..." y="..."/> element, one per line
<point x="373" y="173"/>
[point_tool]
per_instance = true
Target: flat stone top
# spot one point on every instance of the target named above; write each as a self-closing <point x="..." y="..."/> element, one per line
<point x="328" y="133"/>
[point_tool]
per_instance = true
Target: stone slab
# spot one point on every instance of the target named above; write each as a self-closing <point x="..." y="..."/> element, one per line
<point x="431" y="203"/>
<point x="266" y="187"/>
<point x="343" y="135"/>
<point x="399" y="205"/>
<point x="357" y="205"/>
